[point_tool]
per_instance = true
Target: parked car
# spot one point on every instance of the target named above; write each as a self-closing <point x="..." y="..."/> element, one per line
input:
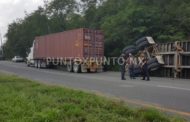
<point x="18" y="59"/>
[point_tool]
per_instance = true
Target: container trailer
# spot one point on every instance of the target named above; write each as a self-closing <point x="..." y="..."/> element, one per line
<point x="81" y="50"/>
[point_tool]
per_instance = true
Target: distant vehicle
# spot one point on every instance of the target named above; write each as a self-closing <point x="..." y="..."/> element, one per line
<point x="1" y="54"/>
<point x="73" y="48"/>
<point x="18" y="59"/>
<point x="2" y="57"/>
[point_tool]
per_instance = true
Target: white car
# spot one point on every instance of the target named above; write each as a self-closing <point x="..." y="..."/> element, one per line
<point x="18" y="59"/>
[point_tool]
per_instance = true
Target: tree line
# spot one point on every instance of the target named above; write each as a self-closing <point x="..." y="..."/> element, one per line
<point x="122" y="21"/>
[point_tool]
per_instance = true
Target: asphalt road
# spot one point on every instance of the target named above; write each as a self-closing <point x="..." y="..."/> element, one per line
<point x="162" y="93"/>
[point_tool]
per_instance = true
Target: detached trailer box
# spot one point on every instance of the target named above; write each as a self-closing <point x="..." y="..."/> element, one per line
<point x="73" y="47"/>
<point x="177" y="60"/>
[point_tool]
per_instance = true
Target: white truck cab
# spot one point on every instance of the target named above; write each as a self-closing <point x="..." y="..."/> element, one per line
<point x="30" y="58"/>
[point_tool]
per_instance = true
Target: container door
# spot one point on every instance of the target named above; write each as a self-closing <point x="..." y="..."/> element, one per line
<point x="93" y="43"/>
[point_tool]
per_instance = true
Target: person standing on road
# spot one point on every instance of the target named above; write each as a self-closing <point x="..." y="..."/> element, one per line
<point x="130" y="62"/>
<point x="123" y="65"/>
<point x="145" y="70"/>
<point x="140" y="59"/>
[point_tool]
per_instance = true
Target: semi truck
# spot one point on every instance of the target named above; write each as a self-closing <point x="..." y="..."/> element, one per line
<point x="80" y="50"/>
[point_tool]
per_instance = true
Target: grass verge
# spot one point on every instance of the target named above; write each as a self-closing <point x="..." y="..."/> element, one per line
<point x="22" y="100"/>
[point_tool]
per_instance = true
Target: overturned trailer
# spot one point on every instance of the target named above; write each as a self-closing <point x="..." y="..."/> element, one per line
<point x="176" y="56"/>
<point x="147" y="47"/>
<point x="165" y="59"/>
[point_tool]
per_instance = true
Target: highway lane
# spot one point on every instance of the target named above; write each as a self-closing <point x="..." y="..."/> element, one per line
<point x="163" y="93"/>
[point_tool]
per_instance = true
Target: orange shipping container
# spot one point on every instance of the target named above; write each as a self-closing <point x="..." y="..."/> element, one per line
<point x="73" y="43"/>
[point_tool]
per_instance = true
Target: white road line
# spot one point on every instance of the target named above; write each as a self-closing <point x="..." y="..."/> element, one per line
<point x="171" y="87"/>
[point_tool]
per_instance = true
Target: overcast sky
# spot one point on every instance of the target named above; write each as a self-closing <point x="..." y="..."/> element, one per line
<point x="12" y="9"/>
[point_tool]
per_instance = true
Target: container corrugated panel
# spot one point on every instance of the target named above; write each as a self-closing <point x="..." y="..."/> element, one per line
<point x="163" y="72"/>
<point x="166" y="47"/>
<point x="185" y="60"/>
<point x="169" y="72"/>
<point x="168" y="59"/>
<point x="74" y="43"/>
<point x="185" y="73"/>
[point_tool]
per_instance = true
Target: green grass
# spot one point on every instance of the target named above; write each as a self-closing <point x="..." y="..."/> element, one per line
<point x="23" y="100"/>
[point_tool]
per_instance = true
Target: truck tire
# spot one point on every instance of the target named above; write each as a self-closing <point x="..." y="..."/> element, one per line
<point x="28" y="64"/>
<point x="69" y="67"/>
<point x="39" y="64"/>
<point x="141" y="46"/>
<point x="130" y="49"/>
<point x="36" y="64"/>
<point x="76" y="68"/>
<point x="88" y="71"/>
<point x="137" y="70"/>
<point x="43" y="64"/>
<point x="143" y="39"/>
<point x="153" y="60"/>
<point x="153" y="66"/>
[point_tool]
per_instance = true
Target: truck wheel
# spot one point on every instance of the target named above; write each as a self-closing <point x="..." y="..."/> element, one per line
<point x="28" y="64"/>
<point x="76" y="68"/>
<point x="129" y="49"/>
<point x="69" y="67"/>
<point x="153" y="66"/>
<point x="88" y="71"/>
<point x="137" y="70"/>
<point x="39" y="64"/>
<point x="153" y="60"/>
<point x="143" y="39"/>
<point x="142" y="45"/>
<point x="36" y="64"/>
<point x="43" y="64"/>
<point x="132" y="51"/>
